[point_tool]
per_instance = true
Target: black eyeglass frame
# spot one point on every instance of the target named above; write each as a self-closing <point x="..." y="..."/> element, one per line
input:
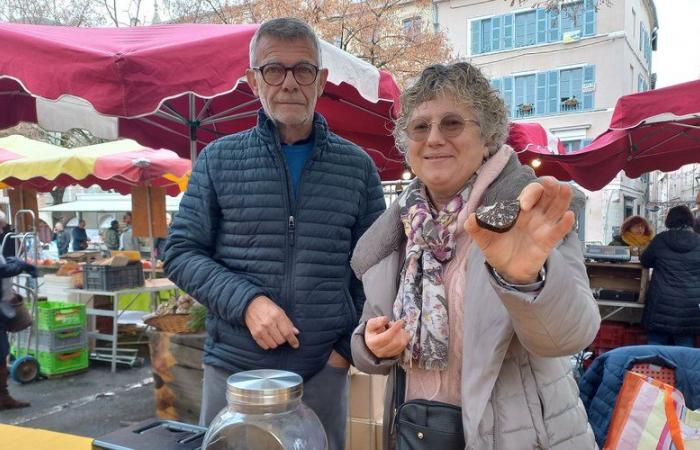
<point x="261" y="69"/>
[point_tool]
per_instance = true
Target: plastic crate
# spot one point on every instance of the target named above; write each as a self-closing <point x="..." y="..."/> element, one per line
<point x="108" y="278"/>
<point x="634" y="335"/>
<point x="659" y="373"/>
<point x="56" y="341"/>
<point x="610" y="335"/>
<point x="56" y="363"/>
<point x="60" y="315"/>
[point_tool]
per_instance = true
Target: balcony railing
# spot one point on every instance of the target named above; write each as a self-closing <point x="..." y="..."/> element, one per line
<point x="524" y="110"/>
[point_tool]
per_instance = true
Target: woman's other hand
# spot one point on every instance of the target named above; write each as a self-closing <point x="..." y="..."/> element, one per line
<point x="519" y="254"/>
<point x="386" y="339"/>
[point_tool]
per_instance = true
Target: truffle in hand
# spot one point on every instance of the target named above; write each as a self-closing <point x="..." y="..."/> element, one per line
<point x="499" y="217"/>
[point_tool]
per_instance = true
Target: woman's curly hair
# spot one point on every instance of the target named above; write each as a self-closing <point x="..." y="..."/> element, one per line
<point x="468" y="87"/>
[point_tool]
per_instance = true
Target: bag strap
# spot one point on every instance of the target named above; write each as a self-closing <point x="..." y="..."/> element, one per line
<point x="399" y="392"/>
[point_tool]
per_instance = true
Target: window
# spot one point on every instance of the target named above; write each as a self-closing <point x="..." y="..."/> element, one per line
<point x="413" y="25"/>
<point x="629" y="206"/>
<point x="571" y="89"/>
<point x="634" y="23"/>
<point x="551" y="92"/>
<point x="642" y="85"/>
<point x="525" y="28"/>
<point x="532" y="27"/>
<point x="572" y="17"/>
<point x="525" y="96"/>
<point x="572" y="146"/>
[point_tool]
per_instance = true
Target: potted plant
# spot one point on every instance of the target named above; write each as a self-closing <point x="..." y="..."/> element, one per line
<point x="526" y="108"/>
<point x="571" y="102"/>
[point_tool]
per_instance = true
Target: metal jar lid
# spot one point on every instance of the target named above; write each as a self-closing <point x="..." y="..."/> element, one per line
<point x="264" y="387"/>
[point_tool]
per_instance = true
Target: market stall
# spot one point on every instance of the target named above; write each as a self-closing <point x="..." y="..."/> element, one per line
<point x="124" y="166"/>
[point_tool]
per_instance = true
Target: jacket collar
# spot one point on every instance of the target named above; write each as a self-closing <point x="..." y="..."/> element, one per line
<point x="267" y="128"/>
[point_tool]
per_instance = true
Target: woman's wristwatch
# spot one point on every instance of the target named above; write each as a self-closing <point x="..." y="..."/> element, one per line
<point x="530" y="287"/>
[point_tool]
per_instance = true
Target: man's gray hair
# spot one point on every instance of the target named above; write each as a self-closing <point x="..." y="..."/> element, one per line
<point x="286" y="29"/>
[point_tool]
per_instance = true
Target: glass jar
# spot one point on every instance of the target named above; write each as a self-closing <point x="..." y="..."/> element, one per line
<point x="265" y="412"/>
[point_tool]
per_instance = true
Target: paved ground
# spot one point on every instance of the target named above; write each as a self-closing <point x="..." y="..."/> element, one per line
<point x="90" y="404"/>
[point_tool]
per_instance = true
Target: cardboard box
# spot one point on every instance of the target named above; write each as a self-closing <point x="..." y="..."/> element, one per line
<point x="367" y="396"/>
<point x="364" y="435"/>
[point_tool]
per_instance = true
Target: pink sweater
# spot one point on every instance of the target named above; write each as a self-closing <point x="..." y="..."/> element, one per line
<point x="445" y="386"/>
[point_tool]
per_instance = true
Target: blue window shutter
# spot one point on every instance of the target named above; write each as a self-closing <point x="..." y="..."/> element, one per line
<point x="589" y="18"/>
<point x="507" y="31"/>
<point x="541" y="25"/>
<point x="476" y="37"/>
<point x="553" y="91"/>
<point x="485" y="35"/>
<point x="586" y="142"/>
<point x="496" y="85"/>
<point x="496" y="33"/>
<point x="508" y="94"/>
<point x="589" y="83"/>
<point x="553" y="27"/>
<point x="641" y="35"/>
<point x="541" y="94"/>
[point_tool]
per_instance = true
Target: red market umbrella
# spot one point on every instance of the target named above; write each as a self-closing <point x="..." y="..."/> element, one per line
<point x="178" y="86"/>
<point x="653" y="130"/>
<point x="533" y="143"/>
<point x="119" y="165"/>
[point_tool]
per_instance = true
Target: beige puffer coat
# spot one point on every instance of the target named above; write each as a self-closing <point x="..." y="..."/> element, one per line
<point x="517" y="388"/>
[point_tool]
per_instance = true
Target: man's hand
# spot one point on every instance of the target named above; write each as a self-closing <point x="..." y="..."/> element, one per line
<point x="519" y="254"/>
<point x="269" y="324"/>
<point x="384" y="339"/>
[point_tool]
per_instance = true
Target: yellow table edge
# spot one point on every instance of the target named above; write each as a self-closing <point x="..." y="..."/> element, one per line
<point x="23" y="438"/>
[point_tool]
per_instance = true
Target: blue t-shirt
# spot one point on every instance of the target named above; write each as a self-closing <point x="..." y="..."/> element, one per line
<point x="296" y="155"/>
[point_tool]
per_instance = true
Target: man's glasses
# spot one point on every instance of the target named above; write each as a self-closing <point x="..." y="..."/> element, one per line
<point x="450" y="126"/>
<point x="274" y="73"/>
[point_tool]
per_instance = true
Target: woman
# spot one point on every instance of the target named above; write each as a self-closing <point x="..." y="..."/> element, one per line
<point x="634" y="232"/>
<point x="671" y="314"/>
<point x="500" y="312"/>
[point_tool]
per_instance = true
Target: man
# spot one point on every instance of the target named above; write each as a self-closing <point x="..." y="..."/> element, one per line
<point x="60" y="235"/>
<point x="112" y="235"/>
<point x="80" y="237"/>
<point x="127" y="241"/>
<point x="265" y="231"/>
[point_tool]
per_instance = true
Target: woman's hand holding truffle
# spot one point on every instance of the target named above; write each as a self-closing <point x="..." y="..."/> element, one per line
<point x="544" y="219"/>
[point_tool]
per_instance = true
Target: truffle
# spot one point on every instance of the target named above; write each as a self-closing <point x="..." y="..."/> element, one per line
<point x="499" y="217"/>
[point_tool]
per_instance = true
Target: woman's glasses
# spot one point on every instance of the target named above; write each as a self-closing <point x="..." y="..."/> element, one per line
<point x="275" y="73"/>
<point x="450" y="126"/>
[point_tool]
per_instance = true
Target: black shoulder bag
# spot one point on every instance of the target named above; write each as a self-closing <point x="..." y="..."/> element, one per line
<point x="425" y="424"/>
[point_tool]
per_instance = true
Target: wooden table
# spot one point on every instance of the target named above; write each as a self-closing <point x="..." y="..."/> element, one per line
<point x="630" y="276"/>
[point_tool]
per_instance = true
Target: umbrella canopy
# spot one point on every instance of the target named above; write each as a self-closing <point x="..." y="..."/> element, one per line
<point x="118" y="165"/>
<point x="175" y="86"/>
<point x="653" y="130"/>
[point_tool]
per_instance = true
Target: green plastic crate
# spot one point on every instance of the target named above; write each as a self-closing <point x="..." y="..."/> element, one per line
<point x="59" y="315"/>
<point x="56" y="363"/>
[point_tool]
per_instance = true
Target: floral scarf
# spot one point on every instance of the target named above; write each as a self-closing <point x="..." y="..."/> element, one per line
<point x="421" y="300"/>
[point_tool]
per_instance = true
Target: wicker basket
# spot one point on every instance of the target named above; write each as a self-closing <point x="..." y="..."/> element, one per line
<point x="172" y="323"/>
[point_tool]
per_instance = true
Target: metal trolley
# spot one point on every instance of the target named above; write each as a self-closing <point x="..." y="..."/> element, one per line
<point x="25" y="367"/>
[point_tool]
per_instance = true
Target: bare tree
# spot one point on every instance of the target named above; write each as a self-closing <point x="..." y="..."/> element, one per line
<point x="75" y="13"/>
<point x="396" y="35"/>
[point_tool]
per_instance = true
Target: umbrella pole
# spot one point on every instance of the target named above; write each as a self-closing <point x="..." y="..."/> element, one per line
<point x="193" y="129"/>
<point x="150" y="231"/>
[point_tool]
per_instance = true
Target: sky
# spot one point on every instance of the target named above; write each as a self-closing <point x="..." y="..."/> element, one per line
<point x="677" y="58"/>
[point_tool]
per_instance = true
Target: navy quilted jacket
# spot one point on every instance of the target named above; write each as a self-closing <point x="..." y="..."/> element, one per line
<point x="673" y="301"/>
<point x="240" y="233"/>
<point x="603" y="380"/>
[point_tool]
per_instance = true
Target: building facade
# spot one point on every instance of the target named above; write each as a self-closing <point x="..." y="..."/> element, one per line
<point x="564" y="69"/>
